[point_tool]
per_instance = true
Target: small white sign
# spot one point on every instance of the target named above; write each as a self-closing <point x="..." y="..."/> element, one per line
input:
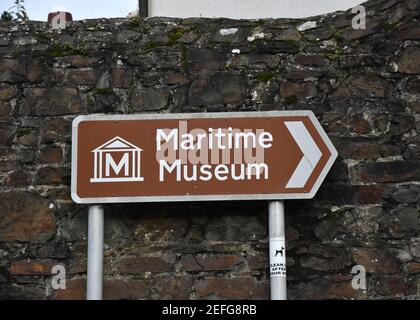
<point x="278" y="257"/>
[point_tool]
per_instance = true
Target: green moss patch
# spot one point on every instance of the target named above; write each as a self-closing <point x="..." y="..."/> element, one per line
<point x="61" y="50"/>
<point x="175" y="34"/>
<point x="291" y="100"/>
<point x="264" y="76"/>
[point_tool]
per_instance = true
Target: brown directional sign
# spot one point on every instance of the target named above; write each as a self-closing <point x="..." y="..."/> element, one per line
<point x="191" y="157"/>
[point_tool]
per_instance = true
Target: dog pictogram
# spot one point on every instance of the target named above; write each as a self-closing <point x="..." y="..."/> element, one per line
<point x="279" y="252"/>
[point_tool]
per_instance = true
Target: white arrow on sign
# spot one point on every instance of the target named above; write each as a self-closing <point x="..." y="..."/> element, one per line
<point x="311" y="154"/>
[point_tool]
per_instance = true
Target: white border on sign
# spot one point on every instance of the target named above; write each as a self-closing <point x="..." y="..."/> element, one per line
<point x="186" y="116"/>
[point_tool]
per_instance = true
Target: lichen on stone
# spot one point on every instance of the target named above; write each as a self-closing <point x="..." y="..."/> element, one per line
<point x="66" y="49"/>
<point x="264" y="76"/>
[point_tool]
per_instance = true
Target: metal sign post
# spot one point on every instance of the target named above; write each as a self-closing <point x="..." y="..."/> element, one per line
<point x="277" y="247"/>
<point x="95" y="252"/>
<point x="275" y="155"/>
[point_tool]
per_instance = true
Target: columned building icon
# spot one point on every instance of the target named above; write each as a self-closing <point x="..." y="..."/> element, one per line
<point x="117" y="161"/>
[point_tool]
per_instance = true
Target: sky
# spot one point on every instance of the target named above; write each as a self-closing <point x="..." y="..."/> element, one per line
<point x="88" y="9"/>
<point x="80" y="9"/>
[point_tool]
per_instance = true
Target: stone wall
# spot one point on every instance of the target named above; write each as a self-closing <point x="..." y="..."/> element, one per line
<point x="363" y="85"/>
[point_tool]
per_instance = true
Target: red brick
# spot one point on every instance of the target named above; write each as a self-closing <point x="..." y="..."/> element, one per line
<point x="124" y="289"/>
<point x="26" y="268"/>
<point x="304" y="90"/>
<point x="340" y="289"/>
<point x="348" y="194"/>
<point x="413" y="86"/>
<point x="78" y="61"/>
<point x="60" y="193"/>
<point x="75" y="290"/>
<point x="21" y="69"/>
<point x="7" y="134"/>
<point x="408" y="62"/>
<point x="176" y="78"/>
<point x="53" y="176"/>
<point x="354" y="34"/>
<point x="412" y="33"/>
<point x="52" y="154"/>
<point x="164" y="228"/>
<point x="27" y="137"/>
<point x="394" y="285"/>
<point x="360" y="125"/>
<point x="232" y="288"/>
<point x="55" y="130"/>
<point x="6" y="110"/>
<point x="361" y="86"/>
<point x="376" y="261"/>
<point x="171" y="287"/>
<point x="258" y="262"/>
<point x="15" y="291"/>
<point x="312" y="60"/>
<point x="75" y="76"/>
<point x="17" y="179"/>
<point x="413" y="267"/>
<point x="204" y="262"/>
<point x="200" y="58"/>
<point x="78" y="265"/>
<point x="121" y="78"/>
<point x="25" y="217"/>
<point x="7" y="92"/>
<point x="330" y="287"/>
<point x="53" y="101"/>
<point x="393" y="171"/>
<point x="140" y="265"/>
<point x="366" y="148"/>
